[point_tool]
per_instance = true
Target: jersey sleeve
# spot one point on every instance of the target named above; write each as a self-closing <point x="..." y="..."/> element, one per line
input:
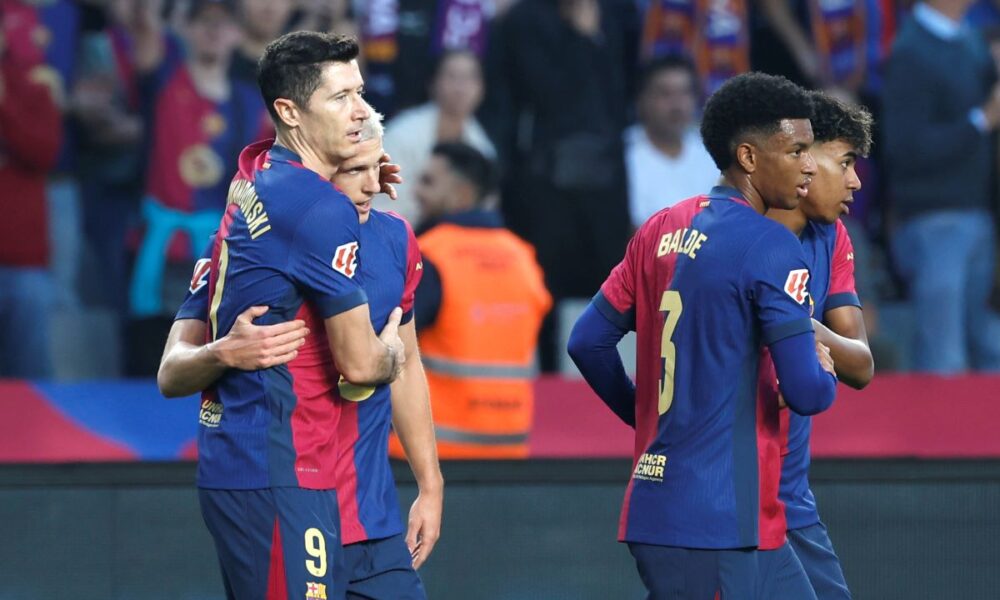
<point x="778" y="280"/>
<point x="414" y="272"/>
<point x="195" y="305"/>
<point x="842" y="289"/>
<point x="616" y="299"/>
<point x="325" y="253"/>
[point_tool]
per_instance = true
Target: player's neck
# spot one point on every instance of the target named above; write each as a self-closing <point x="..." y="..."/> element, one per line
<point x="795" y="220"/>
<point x="741" y="181"/>
<point x="292" y="139"/>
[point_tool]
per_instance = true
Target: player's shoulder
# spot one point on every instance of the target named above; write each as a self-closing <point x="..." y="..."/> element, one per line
<point x="295" y="194"/>
<point x="675" y="215"/>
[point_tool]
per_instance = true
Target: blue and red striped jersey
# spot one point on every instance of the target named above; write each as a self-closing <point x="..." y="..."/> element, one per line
<point x="288" y="237"/>
<point x="705" y="284"/>
<point x="389" y="270"/>
<point x="830" y="254"/>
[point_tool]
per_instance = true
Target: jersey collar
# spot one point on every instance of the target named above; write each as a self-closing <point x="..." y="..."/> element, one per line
<point x="726" y="192"/>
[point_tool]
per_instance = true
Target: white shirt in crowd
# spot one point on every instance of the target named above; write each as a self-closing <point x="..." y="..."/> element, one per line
<point x="656" y="180"/>
<point x="409" y="139"/>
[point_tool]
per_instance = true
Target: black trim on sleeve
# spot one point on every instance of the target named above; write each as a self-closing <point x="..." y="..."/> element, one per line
<point x="625" y="321"/>
<point x="331" y="306"/>
<point x="842" y="299"/>
<point x="783" y="330"/>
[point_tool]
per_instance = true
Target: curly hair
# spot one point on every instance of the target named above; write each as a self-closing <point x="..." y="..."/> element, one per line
<point x="751" y="103"/>
<point x="292" y="65"/>
<point x="834" y="119"/>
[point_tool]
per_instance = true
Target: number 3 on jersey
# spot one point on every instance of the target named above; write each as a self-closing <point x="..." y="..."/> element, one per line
<point x="672" y="306"/>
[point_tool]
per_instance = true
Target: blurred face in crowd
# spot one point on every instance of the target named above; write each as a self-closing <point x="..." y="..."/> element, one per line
<point x="441" y="191"/>
<point x="780" y="165"/>
<point x="358" y="177"/>
<point x="265" y="19"/>
<point x="833" y="186"/>
<point x="212" y="34"/>
<point x="458" y="85"/>
<point x="332" y="119"/>
<point x="667" y="104"/>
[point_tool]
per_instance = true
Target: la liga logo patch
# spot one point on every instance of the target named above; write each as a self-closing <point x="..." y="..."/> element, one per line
<point x="795" y="285"/>
<point x="345" y="259"/>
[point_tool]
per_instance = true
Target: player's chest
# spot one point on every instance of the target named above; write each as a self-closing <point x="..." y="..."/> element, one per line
<point x="382" y="269"/>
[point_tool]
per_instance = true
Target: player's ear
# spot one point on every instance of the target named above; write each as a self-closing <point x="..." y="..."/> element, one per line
<point x="746" y="156"/>
<point x="288" y="112"/>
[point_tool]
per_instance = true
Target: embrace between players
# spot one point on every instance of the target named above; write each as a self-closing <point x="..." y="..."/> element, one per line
<point x="278" y="332"/>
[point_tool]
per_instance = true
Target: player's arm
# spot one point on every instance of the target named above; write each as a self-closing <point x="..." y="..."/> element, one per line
<point x="843" y="327"/>
<point x="362" y="357"/>
<point x="805" y="373"/>
<point x="412" y="422"/>
<point x="189" y="365"/>
<point x="778" y="280"/>
<point x="593" y="346"/>
<point x="845" y="335"/>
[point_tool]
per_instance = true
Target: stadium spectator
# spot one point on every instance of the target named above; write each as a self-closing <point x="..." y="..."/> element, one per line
<point x="478" y="311"/>
<point x="942" y="104"/>
<point x="558" y="93"/>
<point x="199" y="119"/>
<point x="664" y="155"/>
<point x="715" y="36"/>
<point x="456" y="91"/>
<point x="105" y="103"/>
<point x="30" y="138"/>
<point x="262" y="21"/>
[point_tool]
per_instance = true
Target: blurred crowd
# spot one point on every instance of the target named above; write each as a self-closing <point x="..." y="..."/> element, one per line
<point x="121" y="121"/>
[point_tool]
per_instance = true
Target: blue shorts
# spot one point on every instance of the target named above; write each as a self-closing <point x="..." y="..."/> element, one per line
<point x="815" y="550"/>
<point x="671" y="573"/>
<point x="382" y="570"/>
<point x="782" y="576"/>
<point x="277" y="543"/>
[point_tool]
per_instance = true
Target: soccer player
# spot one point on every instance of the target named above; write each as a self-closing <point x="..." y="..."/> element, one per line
<point x="290" y="241"/>
<point x="705" y="284"/>
<point x="369" y="506"/>
<point x="842" y="132"/>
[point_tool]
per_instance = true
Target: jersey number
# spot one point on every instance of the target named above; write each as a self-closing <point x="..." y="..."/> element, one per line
<point x="316" y="547"/>
<point x="672" y="306"/>
<point x="220" y="287"/>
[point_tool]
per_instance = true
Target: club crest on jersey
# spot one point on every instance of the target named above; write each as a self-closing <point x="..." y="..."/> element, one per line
<point x="199" y="278"/>
<point x="795" y="285"/>
<point x="345" y="259"/>
<point x="315" y="591"/>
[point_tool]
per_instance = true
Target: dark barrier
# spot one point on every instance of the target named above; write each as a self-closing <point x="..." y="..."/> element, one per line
<point x="905" y="530"/>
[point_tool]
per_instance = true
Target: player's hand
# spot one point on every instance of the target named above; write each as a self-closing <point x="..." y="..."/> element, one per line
<point x="251" y="347"/>
<point x="825" y="360"/>
<point x="424" y="526"/>
<point x="390" y="337"/>
<point x="388" y="175"/>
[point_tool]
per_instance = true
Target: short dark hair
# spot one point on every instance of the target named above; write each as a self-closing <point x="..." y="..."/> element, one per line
<point x="291" y="65"/>
<point x="471" y="165"/>
<point x="833" y="119"/>
<point x="670" y="62"/>
<point x="751" y="103"/>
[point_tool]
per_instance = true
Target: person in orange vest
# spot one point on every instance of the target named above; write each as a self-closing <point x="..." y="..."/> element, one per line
<point x="478" y="310"/>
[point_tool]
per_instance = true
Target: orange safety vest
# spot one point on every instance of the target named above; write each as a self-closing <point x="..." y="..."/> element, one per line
<point x="479" y="354"/>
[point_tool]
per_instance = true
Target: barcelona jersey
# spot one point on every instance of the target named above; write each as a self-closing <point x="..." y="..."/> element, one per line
<point x="830" y="255"/>
<point x="388" y="269"/>
<point x="705" y="284"/>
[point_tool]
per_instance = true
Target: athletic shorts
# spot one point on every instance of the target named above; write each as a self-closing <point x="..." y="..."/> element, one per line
<point x="671" y="573"/>
<point x="815" y="551"/>
<point x="382" y="570"/>
<point x="277" y="543"/>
